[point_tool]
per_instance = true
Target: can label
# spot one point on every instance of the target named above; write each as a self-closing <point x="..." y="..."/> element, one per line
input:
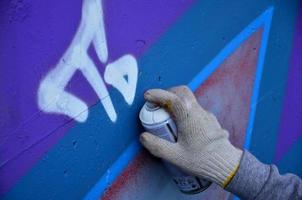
<point x="166" y="130"/>
<point x="187" y="184"/>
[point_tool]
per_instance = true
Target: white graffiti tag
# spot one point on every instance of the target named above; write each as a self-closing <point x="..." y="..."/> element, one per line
<point x="53" y="98"/>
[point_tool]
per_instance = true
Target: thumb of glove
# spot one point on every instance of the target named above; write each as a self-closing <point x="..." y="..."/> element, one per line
<point x="159" y="147"/>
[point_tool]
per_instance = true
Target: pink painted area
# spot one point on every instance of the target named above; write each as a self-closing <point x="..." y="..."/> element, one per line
<point x="140" y="171"/>
<point x="145" y="178"/>
<point x="227" y="93"/>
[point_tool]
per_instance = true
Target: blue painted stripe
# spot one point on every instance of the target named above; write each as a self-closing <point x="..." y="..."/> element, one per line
<point x="122" y="162"/>
<point x="114" y="171"/>
<point x="266" y="17"/>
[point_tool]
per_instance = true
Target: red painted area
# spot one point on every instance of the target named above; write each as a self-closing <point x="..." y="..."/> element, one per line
<point x="227" y="93"/>
<point x="127" y="176"/>
<point x="133" y="182"/>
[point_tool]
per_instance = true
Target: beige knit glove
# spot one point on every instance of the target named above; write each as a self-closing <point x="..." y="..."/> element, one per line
<point x="202" y="148"/>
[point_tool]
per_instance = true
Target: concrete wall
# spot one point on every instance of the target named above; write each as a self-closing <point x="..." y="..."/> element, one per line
<point x="73" y="75"/>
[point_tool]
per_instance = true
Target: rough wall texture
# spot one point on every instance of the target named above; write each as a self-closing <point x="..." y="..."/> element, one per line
<point x="73" y="73"/>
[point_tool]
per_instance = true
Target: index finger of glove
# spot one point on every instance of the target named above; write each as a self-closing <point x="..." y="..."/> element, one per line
<point x="168" y="100"/>
<point x="188" y="98"/>
<point x="185" y="94"/>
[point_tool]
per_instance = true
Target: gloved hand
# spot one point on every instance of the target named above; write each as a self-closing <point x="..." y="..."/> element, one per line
<point x="202" y="148"/>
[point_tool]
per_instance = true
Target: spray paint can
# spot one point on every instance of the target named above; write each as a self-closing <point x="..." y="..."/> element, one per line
<point x="158" y="122"/>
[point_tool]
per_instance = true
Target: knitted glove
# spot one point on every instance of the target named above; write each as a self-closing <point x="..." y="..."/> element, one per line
<point x="202" y="148"/>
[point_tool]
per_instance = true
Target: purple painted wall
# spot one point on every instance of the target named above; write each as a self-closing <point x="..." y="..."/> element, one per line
<point x="291" y="128"/>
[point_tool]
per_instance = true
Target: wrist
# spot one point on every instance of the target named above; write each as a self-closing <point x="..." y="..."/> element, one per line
<point x="223" y="162"/>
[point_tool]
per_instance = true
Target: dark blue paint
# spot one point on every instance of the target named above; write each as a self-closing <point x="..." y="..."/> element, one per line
<point x="292" y="162"/>
<point x="270" y="101"/>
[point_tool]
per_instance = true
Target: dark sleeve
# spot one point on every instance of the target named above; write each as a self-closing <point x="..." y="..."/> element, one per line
<point x="255" y="180"/>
